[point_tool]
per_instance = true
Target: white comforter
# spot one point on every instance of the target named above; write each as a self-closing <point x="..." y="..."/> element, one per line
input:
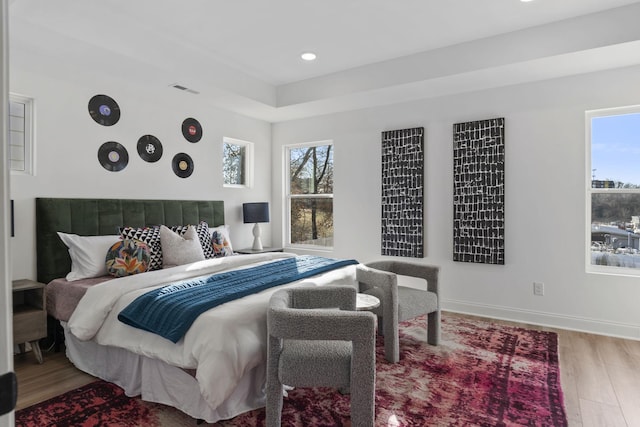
<point x="222" y="345"/>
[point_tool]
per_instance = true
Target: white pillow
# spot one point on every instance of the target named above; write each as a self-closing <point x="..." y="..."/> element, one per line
<point x="224" y="229"/>
<point x="179" y="250"/>
<point x="88" y="254"/>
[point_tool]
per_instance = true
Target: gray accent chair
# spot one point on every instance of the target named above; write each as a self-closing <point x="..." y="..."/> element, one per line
<point x="310" y="346"/>
<point x="399" y="303"/>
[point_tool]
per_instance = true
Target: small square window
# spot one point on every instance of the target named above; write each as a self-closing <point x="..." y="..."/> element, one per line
<point x="237" y="163"/>
<point x="20" y="134"/>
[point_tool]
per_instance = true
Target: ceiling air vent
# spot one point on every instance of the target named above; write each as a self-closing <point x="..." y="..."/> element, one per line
<point x="184" y="88"/>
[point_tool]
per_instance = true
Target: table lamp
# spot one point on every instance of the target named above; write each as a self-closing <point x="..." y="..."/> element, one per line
<point x="255" y="213"/>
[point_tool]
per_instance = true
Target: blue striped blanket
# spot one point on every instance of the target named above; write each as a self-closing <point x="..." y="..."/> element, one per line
<point x="170" y="310"/>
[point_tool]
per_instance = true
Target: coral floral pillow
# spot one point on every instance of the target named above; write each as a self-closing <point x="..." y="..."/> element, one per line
<point x="221" y="245"/>
<point x="127" y="257"/>
<point x="149" y="236"/>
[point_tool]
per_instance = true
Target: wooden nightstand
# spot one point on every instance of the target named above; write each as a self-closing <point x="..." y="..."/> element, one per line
<point x="29" y="314"/>
<point x="249" y="251"/>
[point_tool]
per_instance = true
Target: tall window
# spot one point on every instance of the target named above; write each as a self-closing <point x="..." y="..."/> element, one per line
<point x="237" y="163"/>
<point x="613" y="192"/>
<point x="310" y="194"/>
<point x="20" y="134"/>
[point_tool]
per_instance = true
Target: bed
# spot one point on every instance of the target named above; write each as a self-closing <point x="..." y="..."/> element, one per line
<point x="217" y="369"/>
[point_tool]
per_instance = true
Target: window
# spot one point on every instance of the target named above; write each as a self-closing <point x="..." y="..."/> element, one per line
<point x="20" y="134"/>
<point x="613" y="191"/>
<point x="310" y="194"/>
<point x="237" y="163"/>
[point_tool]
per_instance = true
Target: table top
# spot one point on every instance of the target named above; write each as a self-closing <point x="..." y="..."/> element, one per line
<point x="23" y="284"/>
<point x="366" y="302"/>
<point x="249" y="251"/>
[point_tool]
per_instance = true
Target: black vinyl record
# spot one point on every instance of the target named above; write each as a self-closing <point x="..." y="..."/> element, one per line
<point x="149" y="148"/>
<point x="104" y="110"/>
<point x="191" y="130"/>
<point x="182" y="165"/>
<point x="113" y="156"/>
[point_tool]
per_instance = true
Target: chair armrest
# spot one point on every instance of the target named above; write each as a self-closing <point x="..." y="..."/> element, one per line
<point x="412" y="269"/>
<point x="369" y="278"/>
<point x="384" y="285"/>
<point x="320" y="324"/>
<point x="330" y="296"/>
<point x="381" y="284"/>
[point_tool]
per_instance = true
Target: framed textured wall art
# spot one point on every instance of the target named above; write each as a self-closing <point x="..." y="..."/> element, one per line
<point x="478" y="191"/>
<point x="403" y="192"/>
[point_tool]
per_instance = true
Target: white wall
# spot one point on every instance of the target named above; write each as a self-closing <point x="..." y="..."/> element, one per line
<point x="545" y="173"/>
<point x="67" y="142"/>
<point x="6" y="295"/>
<point x="545" y="197"/>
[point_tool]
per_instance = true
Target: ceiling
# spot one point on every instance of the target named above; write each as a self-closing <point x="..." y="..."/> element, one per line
<point x="244" y="55"/>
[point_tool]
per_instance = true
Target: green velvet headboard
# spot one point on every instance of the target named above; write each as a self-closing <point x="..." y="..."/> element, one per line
<point x="95" y="217"/>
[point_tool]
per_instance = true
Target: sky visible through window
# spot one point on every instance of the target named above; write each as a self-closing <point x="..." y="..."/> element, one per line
<point x="615" y="148"/>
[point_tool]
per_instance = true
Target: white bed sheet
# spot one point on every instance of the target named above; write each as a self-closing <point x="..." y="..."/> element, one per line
<point x="156" y="381"/>
<point x="226" y="346"/>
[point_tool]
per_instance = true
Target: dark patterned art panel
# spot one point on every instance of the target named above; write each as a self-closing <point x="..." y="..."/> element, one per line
<point x="402" y="192"/>
<point x="478" y="191"/>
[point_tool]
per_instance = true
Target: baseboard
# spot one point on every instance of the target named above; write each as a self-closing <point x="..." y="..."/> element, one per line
<point x="554" y="320"/>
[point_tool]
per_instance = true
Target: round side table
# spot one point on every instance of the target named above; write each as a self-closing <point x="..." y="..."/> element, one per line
<point x="366" y="302"/>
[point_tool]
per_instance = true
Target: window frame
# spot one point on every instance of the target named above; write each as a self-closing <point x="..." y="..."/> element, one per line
<point x="248" y="162"/>
<point x="29" y="135"/>
<point x="289" y="197"/>
<point x="590" y="191"/>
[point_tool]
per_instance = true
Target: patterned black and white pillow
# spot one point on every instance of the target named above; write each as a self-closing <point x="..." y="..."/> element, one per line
<point x="150" y="236"/>
<point x="202" y="230"/>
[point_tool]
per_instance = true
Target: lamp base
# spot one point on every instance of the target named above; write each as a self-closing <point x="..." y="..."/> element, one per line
<point x="257" y="242"/>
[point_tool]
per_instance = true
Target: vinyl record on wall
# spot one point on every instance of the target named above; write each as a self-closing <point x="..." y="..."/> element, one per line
<point x="191" y="130"/>
<point x="182" y="165"/>
<point x="113" y="156"/>
<point x="149" y="148"/>
<point x="104" y="110"/>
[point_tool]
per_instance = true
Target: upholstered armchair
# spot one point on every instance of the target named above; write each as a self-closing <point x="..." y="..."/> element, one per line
<point x="398" y="303"/>
<point x="317" y="339"/>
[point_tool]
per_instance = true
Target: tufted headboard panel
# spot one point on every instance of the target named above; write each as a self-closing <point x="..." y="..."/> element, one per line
<point x="95" y="217"/>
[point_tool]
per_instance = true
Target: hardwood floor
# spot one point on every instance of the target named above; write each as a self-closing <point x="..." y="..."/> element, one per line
<point x="40" y="382"/>
<point x="600" y="377"/>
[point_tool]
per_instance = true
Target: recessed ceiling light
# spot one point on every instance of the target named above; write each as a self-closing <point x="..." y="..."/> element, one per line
<point x="308" y="56"/>
<point x="525" y="1"/>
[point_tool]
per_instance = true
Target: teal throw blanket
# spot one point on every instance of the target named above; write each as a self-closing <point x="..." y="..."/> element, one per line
<point x="169" y="311"/>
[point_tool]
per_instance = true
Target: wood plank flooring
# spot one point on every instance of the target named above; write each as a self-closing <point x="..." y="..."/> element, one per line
<point x="600" y="377"/>
<point x="55" y="376"/>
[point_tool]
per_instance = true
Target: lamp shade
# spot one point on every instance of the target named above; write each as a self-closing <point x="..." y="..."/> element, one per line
<point x="255" y="212"/>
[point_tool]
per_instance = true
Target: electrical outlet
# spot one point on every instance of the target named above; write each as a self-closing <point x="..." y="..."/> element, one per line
<point x="538" y="288"/>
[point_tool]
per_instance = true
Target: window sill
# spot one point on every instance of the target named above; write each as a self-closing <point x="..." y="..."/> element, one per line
<point x="309" y="248"/>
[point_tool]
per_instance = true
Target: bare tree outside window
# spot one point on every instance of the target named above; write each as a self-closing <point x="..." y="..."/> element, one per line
<point x="311" y="195"/>
<point x="236" y="158"/>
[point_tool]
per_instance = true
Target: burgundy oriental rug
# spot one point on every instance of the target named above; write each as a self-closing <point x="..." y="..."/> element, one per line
<point x="482" y="374"/>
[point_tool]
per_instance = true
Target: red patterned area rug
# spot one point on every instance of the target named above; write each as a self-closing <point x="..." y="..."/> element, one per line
<point x="482" y="374"/>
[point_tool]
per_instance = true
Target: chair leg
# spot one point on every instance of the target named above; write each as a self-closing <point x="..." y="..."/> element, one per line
<point x="363" y="406"/>
<point x="391" y="341"/>
<point x="273" y="407"/>
<point x="274" y="391"/>
<point x="433" y="328"/>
